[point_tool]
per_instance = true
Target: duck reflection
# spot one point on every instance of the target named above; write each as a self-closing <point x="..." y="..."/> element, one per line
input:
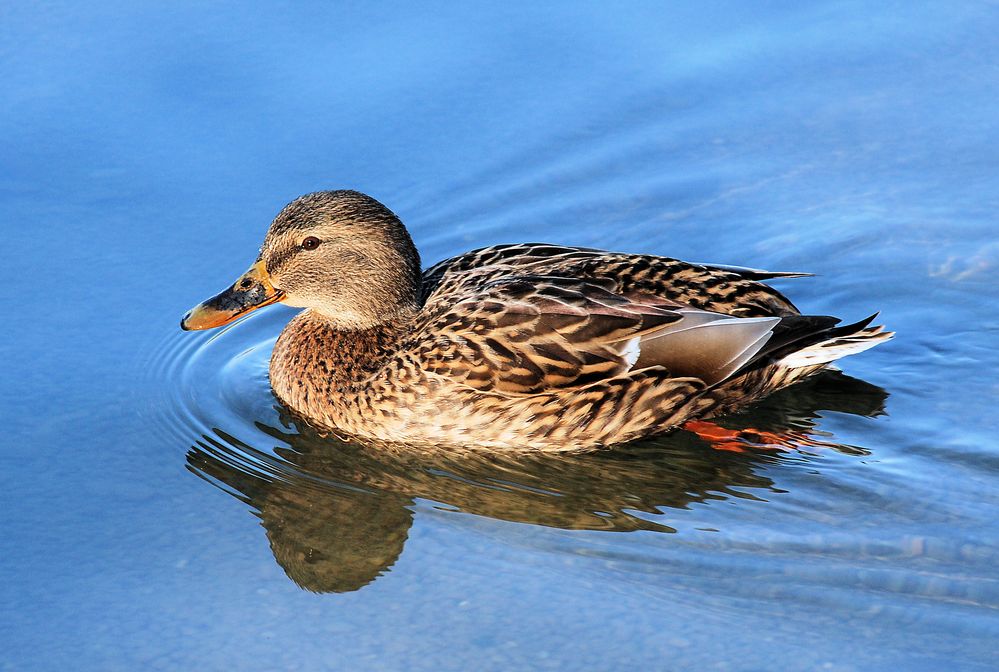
<point x="337" y="514"/>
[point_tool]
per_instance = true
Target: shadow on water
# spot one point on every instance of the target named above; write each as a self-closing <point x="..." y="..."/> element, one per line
<point x="337" y="514"/>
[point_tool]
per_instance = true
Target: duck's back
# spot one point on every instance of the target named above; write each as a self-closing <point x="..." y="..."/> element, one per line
<point x="723" y="289"/>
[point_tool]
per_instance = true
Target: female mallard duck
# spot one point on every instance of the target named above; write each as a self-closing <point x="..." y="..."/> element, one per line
<point x="527" y="346"/>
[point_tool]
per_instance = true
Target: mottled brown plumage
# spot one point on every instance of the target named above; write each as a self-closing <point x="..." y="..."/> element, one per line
<point x="531" y="346"/>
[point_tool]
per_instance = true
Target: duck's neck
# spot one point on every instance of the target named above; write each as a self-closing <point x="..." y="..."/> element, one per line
<point x="315" y="361"/>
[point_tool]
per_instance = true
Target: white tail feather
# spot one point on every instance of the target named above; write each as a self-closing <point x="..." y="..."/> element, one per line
<point x="833" y="349"/>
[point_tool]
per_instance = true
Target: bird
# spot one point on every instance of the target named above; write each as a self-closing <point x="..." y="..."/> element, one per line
<point x="524" y="346"/>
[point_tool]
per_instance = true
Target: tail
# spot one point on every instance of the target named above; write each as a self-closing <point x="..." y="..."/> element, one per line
<point x="839" y="342"/>
<point x="800" y="346"/>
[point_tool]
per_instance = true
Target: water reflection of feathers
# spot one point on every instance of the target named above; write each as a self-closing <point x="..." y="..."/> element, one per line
<point x="337" y="514"/>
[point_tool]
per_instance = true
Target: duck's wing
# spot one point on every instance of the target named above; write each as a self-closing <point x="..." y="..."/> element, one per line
<point x="721" y="289"/>
<point x="527" y="334"/>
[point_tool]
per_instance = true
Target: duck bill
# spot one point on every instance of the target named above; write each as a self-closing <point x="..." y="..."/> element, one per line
<point x="252" y="290"/>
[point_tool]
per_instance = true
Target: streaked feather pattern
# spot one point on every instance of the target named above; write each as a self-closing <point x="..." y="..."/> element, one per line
<point x="559" y="348"/>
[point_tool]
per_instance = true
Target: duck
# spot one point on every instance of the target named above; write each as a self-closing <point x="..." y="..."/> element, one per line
<point x="525" y="346"/>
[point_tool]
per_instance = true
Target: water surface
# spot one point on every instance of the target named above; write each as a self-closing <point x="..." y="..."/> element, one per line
<point x="159" y="510"/>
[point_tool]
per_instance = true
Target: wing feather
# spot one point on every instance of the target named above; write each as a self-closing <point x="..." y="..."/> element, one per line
<point x="527" y="334"/>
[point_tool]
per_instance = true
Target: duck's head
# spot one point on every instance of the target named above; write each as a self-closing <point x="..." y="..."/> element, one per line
<point x="339" y="253"/>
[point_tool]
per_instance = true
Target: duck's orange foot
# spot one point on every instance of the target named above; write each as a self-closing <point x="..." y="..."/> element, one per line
<point x="739" y="440"/>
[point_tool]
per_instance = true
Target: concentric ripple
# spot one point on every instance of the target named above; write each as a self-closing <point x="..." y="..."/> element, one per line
<point x="215" y="381"/>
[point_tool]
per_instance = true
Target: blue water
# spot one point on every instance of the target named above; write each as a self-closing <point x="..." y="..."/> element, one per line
<point x="159" y="512"/>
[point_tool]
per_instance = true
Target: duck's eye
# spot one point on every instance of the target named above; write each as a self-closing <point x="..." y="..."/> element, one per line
<point x="310" y="243"/>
